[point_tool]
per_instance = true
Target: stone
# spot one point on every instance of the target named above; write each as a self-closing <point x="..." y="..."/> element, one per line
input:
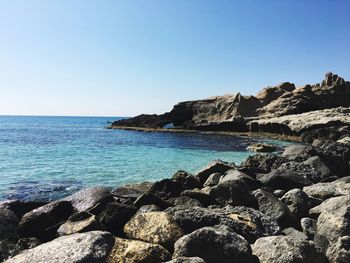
<point x="237" y="175"/>
<point x="292" y="232"/>
<point x="115" y="216"/>
<point x="285" y="249"/>
<point x="271" y="206"/>
<point x="186" y="260"/>
<point x="213" y="179"/>
<point x="233" y="193"/>
<point x="166" y="188"/>
<point x="203" y="198"/>
<point x="29" y="242"/>
<point x="327" y="190"/>
<point x="8" y="249"/>
<point x="295" y="150"/>
<point x="214" y="244"/>
<point x="247" y="222"/>
<point x="262" y="147"/>
<point x="184" y="201"/>
<point x="298" y="202"/>
<point x="186" y="180"/>
<point x="132" y="190"/>
<point x="134" y="251"/>
<point x="296" y="175"/>
<point x="308" y="225"/>
<point x="89" y="198"/>
<point x="150" y="199"/>
<point x="217" y="166"/>
<point x="77" y="248"/>
<point x="264" y="162"/>
<point x="154" y="227"/>
<point x="148" y="208"/>
<point x="79" y="223"/>
<point x="270" y="94"/>
<point x="279" y="193"/>
<point x="340" y="252"/>
<point x="19" y="208"/>
<point x="8" y="225"/>
<point x="332" y="223"/>
<point x="328" y="205"/>
<point x="44" y="221"/>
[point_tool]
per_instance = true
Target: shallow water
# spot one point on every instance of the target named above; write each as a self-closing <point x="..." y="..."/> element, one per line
<point x="45" y="158"/>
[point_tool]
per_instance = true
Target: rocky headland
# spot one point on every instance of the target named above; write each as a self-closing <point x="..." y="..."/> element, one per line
<point x="290" y="207"/>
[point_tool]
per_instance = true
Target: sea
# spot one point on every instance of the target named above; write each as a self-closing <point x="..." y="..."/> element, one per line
<point x="47" y="158"/>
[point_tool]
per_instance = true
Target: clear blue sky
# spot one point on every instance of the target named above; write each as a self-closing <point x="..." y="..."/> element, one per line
<point x="121" y="58"/>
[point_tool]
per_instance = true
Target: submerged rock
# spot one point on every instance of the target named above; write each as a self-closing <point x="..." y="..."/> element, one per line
<point x="77" y="248"/>
<point x="214" y="244"/>
<point x="134" y="251"/>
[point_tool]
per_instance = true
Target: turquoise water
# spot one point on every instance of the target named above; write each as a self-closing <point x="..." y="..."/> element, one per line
<point x="45" y="158"/>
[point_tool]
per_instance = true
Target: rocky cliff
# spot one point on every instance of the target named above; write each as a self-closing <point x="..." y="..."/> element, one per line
<point x="278" y="109"/>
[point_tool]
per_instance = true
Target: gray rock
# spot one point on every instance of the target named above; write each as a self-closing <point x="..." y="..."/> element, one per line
<point x="43" y="221"/>
<point x="328" y="190"/>
<point x="214" y="244"/>
<point x="298" y="202"/>
<point x="271" y="206"/>
<point x="262" y="147"/>
<point x="285" y="249"/>
<point x="296" y="150"/>
<point x="148" y="208"/>
<point x="200" y="196"/>
<point x="19" y="208"/>
<point x="292" y="232"/>
<point x="237" y="175"/>
<point x="186" y="260"/>
<point x="8" y="249"/>
<point x="77" y="248"/>
<point x="340" y="252"/>
<point x="279" y="193"/>
<point x="132" y="190"/>
<point x="8" y="225"/>
<point x="233" y="193"/>
<point x="308" y="225"/>
<point x="328" y="205"/>
<point x="88" y="198"/>
<point x="184" y="201"/>
<point x="217" y="166"/>
<point x="213" y="179"/>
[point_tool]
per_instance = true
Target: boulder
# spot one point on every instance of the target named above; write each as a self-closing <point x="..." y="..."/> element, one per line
<point x="271" y="206"/>
<point x="297" y="150"/>
<point x="214" y="244"/>
<point x="233" y="193"/>
<point x="43" y="221"/>
<point x="186" y="260"/>
<point x="19" y="208"/>
<point x="217" y="166"/>
<point x="154" y="227"/>
<point x="134" y="251"/>
<point x="285" y="249"/>
<point x="79" y="223"/>
<point x="89" y="198"/>
<point x="292" y="232"/>
<point x="340" y="251"/>
<point x="77" y="248"/>
<point x="144" y="120"/>
<point x="264" y="162"/>
<point x="115" y="216"/>
<point x="298" y="202"/>
<point x="327" y="190"/>
<point x="8" y="249"/>
<point x="213" y="179"/>
<point x="308" y="225"/>
<point x="270" y="94"/>
<point x="29" y="242"/>
<point x="184" y="201"/>
<point x="245" y="221"/>
<point x="8" y="225"/>
<point x="148" y="208"/>
<point x="237" y="175"/>
<point x="262" y="147"/>
<point x="186" y="180"/>
<point x="203" y="198"/>
<point x="166" y="188"/>
<point x="132" y="190"/>
<point x="150" y="199"/>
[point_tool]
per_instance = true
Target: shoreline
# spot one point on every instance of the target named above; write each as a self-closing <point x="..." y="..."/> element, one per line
<point x="263" y="135"/>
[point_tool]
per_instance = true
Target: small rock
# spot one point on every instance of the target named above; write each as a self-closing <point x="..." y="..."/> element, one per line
<point x="8" y="225"/>
<point x="166" y="188"/>
<point x="186" y="260"/>
<point x="237" y="175"/>
<point x="19" y="208"/>
<point x="308" y="225"/>
<point x="154" y="227"/>
<point x="184" y="201"/>
<point x="279" y="193"/>
<point x="213" y="179"/>
<point x="29" y="242"/>
<point x="214" y="244"/>
<point x="132" y="190"/>
<point x="150" y="199"/>
<point x="284" y="249"/>
<point x="292" y="232"/>
<point x="8" y="249"/>
<point x="77" y="248"/>
<point x="148" y="208"/>
<point x="298" y="202"/>
<point x="203" y="198"/>
<point x="217" y="166"/>
<point x="186" y="180"/>
<point x="79" y="223"/>
<point x="133" y="251"/>
<point x="262" y="147"/>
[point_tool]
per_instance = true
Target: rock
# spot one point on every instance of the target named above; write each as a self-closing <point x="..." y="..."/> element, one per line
<point x="19" y="208"/>
<point x="186" y="260"/>
<point x="296" y="175"/>
<point x="279" y="193"/>
<point x="132" y="190"/>
<point x="145" y="120"/>
<point x="115" y="216"/>
<point x="184" y="201"/>
<point x="327" y="190"/>
<point x="89" y="198"/>
<point x="264" y="162"/>
<point x="79" y="223"/>
<point x="328" y="205"/>
<point x="296" y="150"/>
<point x="274" y="208"/>
<point x="150" y="199"/>
<point x="85" y="247"/>
<point x="285" y="249"/>
<point x="8" y="225"/>
<point x="237" y="175"/>
<point x="8" y="249"/>
<point x="245" y="221"/>
<point x="154" y="227"/>
<point x="332" y="223"/>
<point x="298" y="202"/>
<point x="340" y="252"/>
<point x="43" y="221"/>
<point x="148" y="208"/>
<point x="203" y="198"/>
<point x="217" y="166"/>
<point x="233" y="193"/>
<point x="133" y="251"/>
<point x="186" y="180"/>
<point x="166" y="188"/>
<point x="262" y="147"/>
<point x="213" y="179"/>
<point x="344" y="140"/>
<point x="29" y="242"/>
<point x="308" y="225"/>
<point x="292" y="232"/>
<point x="214" y="244"/>
<point x="270" y="94"/>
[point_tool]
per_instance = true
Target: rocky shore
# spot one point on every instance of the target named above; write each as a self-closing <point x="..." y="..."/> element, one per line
<point x="272" y="208"/>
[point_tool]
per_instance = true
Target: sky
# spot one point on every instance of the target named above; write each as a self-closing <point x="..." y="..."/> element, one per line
<point x="127" y="57"/>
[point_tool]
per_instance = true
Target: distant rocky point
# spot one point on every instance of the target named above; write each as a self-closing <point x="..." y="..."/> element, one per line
<point x="282" y="109"/>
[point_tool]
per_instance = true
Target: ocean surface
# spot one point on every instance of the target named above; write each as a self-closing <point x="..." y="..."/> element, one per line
<point x="45" y="158"/>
